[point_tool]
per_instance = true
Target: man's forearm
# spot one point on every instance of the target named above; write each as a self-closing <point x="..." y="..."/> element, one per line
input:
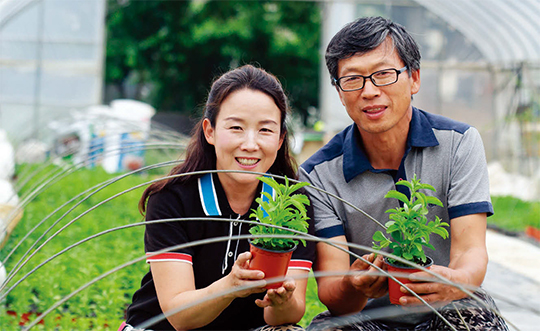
<point x="340" y="297"/>
<point x="470" y="266"/>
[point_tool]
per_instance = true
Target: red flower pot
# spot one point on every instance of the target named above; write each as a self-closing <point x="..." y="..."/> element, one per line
<point x="393" y="287"/>
<point x="533" y="232"/>
<point x="272" y="263"/>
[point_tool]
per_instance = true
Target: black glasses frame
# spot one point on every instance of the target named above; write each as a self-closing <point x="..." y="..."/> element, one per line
<point x="398" y="71"/>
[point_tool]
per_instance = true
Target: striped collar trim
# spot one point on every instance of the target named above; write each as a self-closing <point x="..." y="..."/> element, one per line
<point x="209" y="199"/>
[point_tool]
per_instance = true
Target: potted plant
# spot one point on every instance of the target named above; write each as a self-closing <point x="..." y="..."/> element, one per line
<point x="285" y="209"/>
<point x="409" y="232"/>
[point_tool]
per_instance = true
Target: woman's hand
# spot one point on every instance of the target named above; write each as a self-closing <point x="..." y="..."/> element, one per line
<point x="279" y="296"/>
<point x="240" y="275"/>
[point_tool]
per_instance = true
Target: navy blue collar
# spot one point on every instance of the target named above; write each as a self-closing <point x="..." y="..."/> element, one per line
<point x="355" y="160"/>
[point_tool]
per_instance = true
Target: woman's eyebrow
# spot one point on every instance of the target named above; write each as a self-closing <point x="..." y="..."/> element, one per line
<point x="238" y="119"/>
<point x="268" y="122"/>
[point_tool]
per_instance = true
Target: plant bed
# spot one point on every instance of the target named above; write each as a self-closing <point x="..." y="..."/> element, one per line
<point x="409" y="231"/>
<point x="287" y="210"/>
<point x="25" y="317"/>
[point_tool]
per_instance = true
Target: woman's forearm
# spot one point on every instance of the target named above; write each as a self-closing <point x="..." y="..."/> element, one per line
<point x="202" y="313"/>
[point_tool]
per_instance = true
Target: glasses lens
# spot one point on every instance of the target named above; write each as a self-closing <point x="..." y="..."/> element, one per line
<point x="351" y="82"/>
<point x="385" y="77"/>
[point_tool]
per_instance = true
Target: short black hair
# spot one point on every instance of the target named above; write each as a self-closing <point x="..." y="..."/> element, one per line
<point x="364" y="35"/>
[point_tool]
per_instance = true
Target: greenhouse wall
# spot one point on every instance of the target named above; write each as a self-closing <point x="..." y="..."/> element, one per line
<point x="51" y="61"/>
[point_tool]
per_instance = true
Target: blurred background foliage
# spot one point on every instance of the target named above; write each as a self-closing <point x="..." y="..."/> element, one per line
<point x="167" y="53"/>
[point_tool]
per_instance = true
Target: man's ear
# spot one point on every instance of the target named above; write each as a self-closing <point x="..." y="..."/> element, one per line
<point x="340" y="96"/>
<point x="415" y="84"/>
<point x="208" y="131"/>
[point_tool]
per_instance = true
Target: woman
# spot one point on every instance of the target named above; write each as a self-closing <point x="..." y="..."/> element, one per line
<point x="243" y="128"/>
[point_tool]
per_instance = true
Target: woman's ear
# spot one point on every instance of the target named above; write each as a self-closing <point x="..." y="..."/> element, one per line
<point x="208" y="131"/>
<point x="281" y="141"/>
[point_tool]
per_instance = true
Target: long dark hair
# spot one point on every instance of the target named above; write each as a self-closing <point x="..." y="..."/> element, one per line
<point x="200" y="155"/>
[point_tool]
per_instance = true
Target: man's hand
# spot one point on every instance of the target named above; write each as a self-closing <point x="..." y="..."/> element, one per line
<point x="371" y="286"/>
<point x="278" y="296"/>
<point x="432" y="292"/>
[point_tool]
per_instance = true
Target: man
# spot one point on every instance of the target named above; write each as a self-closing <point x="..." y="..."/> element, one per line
<point x="375" y="67"/>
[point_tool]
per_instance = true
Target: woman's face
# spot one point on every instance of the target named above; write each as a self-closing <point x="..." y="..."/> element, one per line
<point x="246" y="136"/>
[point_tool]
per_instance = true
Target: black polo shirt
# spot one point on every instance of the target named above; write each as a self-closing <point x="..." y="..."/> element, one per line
<point x="203" y="197"/>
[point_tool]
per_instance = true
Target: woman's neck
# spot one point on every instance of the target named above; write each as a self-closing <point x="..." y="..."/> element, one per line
<point x="240" y="197"/>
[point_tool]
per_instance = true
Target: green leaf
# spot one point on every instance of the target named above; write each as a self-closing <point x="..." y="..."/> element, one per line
<point x="426" y="187"/>
<point x="405" y="183"/>
<point x="434" y="201"/>
<point x="397" y="195"/>
<point x="270" y="181"/>
<point x="392" y="228"/>
<point x="378" y="236"/>
<point x="298" y="186"/>
<point x="441" y="232"/>
<point x="408" y="256"/>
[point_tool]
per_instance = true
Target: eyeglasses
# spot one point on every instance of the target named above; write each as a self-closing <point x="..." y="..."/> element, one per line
<point x="378" y="78"/>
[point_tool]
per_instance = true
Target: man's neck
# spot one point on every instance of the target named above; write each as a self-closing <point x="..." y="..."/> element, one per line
<point x="386" y="150"/>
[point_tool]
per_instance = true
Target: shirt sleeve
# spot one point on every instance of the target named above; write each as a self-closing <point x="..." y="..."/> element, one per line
<point x="469" y="189"/>
<point x="158" y="236"/>
<point x="326" y="222"/>
<point x="304" y="257"/>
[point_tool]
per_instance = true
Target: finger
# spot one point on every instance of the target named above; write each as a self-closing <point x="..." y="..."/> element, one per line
<point x="263" y="303"/>
<point x="381" y="284"/>
<point x="413" y="301"/>
<point x="273" y="297"/>
<point x="289" y="285"/>
<point x="421" y="288"/>
<point x="252" y="288"/>
<point x="249" y="274"/>
<point x="277" y="294"/>
<point x="365" y="280"/>
<point x="420" y="277"/>
<point x="257" y="289"/>
<point x="243" y="259"/>
<point x="379" y="261"/>
<point x="376" y="263"/>
<point x="362" y="282"/>
<point x="359" y="264"/>
<point x="255" y="286"/>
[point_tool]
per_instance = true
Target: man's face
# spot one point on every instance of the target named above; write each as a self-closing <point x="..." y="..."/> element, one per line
<point x="377" y="110"/>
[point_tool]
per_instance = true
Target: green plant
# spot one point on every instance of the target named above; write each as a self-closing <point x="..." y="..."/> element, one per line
<point x="513" y="214"/>
<point x="409" y="227"/>
<point x="287" y="210"/>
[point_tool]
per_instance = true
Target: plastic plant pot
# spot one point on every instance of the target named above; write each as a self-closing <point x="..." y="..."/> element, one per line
<point x="272" y="263"/>
<point x="393" y="287"/>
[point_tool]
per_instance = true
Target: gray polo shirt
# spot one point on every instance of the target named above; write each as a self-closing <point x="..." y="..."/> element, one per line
<point x="446" y="154"/>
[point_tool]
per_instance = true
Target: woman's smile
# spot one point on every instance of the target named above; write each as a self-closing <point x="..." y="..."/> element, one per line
<point x="247" y="162"/>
